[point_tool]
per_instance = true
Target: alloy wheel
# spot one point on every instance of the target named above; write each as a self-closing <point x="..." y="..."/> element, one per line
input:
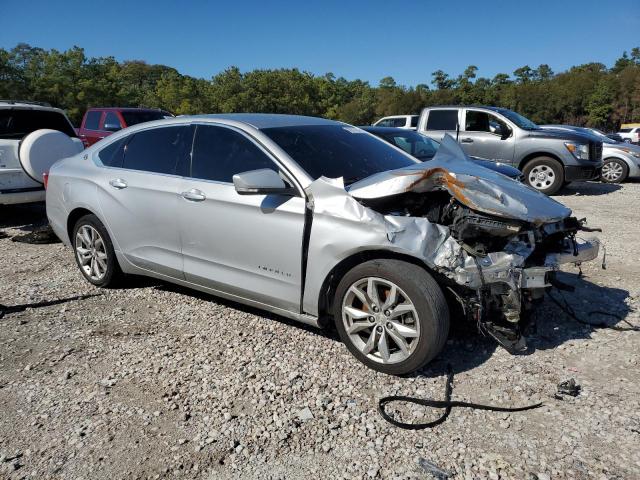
<point x="380" y="320"/>
<point x="612" y="171"/>
<point x="91" y="252"/>
<point x="541" y="177"/>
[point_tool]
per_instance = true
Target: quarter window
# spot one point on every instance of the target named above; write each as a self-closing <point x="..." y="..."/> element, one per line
<point x="219" y="153"/>
<point x="112" y="154"/>
<point x="92" y="122"/>
<point x="442" y="120"/>
<point x="159" y="150"/>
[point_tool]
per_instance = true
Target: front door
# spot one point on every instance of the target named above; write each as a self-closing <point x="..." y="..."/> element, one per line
<point x="487" y="136"/>
<point x="138" y="194"/>
<point x="245" y="245"/>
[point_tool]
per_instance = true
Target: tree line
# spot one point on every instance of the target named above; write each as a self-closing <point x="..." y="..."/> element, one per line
<point x="591" y="94"/>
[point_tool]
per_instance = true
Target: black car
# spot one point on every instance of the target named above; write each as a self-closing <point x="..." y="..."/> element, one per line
<point x="424" y="148"/>
<point x="615" y="136"/>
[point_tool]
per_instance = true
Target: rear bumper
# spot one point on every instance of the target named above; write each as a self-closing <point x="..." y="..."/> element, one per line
<point x="573" y="173"/>
<point x="22" y="195"/>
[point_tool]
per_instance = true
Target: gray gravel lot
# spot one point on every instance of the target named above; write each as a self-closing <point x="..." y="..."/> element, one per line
<point x="155" y="381"/>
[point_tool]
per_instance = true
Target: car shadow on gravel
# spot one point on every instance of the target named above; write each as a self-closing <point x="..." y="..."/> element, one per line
<point x="567" y="316"/>
<point x="602" y="307"/>
<point x="25" y="216"/>
<point x="588" y="189"/>
<point x="329" y="333"/>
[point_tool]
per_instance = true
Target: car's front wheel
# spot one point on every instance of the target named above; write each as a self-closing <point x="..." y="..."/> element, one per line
<point x="392" y="315"/>
<point x="94" y="252"/>
<point x="614" y="170"/>
<point x="545" y="174"/>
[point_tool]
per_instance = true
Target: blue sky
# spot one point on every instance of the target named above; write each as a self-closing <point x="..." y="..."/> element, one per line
<point x="406" y="39"/>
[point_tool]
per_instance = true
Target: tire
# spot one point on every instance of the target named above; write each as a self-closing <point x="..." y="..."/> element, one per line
<point x="89" y="234"/>
<point x="40" y="149"/>
<point x="545" y="174"/>
<point x="614" y="170"/>
<point x="425" y="320"/>
<point x="627" y="140"/>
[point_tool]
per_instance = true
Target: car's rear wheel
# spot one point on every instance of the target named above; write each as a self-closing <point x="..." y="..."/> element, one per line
<point x="545" y="174"/>
<point x="391" y="315"/>
<point x="614" y="170"/>
<point x="94" y="252"/>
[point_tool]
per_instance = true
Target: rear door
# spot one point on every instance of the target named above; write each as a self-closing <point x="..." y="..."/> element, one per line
<point x="487" y="136"/>
<point x="138" y="193"/>
<point x="244" y="245"/>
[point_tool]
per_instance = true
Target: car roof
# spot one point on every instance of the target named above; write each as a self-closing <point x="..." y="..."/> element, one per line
<point x="27" y="105"/>
<point x="127" y="109"/>
<point x="374" y="128"/>
<point x="267" y="120"/>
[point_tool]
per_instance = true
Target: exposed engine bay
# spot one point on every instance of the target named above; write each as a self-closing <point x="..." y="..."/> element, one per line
<point x="495" y="243"/>
<point x="499" y="310"/>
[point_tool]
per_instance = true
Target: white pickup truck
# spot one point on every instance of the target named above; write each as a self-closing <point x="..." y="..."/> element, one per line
<point x="33" y="136"/>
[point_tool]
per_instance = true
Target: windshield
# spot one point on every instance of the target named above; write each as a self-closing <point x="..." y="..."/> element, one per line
<point x="601" y="136"/>
<point x="519" y="120"/>
<point x="420" y="146"/>
<point x="133" y="117"/>
<point x="18" y="123"/>
<point x="335" y="151"/>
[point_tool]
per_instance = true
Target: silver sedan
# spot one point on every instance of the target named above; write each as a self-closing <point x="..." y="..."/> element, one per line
<point x="318" y="221"/>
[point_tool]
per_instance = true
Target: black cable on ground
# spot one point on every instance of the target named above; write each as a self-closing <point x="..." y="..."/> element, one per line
<point x="447" y="404"/>
<point x="4" y="309"/>
<point x="569" y="311"/>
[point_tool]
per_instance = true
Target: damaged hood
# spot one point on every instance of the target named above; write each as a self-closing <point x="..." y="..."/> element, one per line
<point x="472" y="185"/>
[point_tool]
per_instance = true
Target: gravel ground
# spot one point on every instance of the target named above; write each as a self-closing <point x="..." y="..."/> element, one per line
<point x="155" y="381"/>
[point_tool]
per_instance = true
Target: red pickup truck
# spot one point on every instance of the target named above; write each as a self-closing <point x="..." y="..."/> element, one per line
<point x="98" y="123"/>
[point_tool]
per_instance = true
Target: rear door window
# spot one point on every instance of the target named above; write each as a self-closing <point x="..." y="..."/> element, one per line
<point x="219" y="153"/>
<point x="159" y="150"/>
<point x="92" y="121"/>
<point x="399" y="122"/>
<point x="17" y="123"/>
<point x="414" y="121"/>
<point x="442" y="120"/>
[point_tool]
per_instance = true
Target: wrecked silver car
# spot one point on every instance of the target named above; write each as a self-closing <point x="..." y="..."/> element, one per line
<point x="321" y="222"/>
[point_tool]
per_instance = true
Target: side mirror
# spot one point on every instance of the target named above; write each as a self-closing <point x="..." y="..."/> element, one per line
<point x="505" y="132"/>
<point x="112" y="127"/>
<point x="261" y="182"/>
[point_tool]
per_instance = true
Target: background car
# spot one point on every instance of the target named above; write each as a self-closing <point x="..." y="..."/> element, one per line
<point x="409" y="122"/>
<point x="630" y="134"/>
<point x="614" y="136"/>
<point x="621" y="160"/>
<point x="32" y="137"/>
<point x="99" y="123"/>
<point x="548" y="159"/>
<point x="424" y="148"/>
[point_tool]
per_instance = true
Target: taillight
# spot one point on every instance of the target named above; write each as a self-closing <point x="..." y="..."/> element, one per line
<point x="45" y="179"/>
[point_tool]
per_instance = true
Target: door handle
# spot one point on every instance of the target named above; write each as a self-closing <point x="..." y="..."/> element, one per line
<point x="118" y="183"/>
<point x="466" y="140"/>
<point x="194" y="195"/>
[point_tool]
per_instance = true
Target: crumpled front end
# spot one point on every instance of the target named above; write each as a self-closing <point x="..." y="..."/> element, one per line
<point x="494" y="243"/>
